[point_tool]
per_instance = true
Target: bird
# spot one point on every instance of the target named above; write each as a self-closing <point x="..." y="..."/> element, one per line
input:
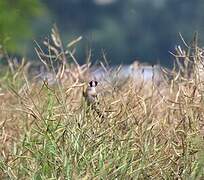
<point x="91" y="97"/>
<point x="90" y="94"/>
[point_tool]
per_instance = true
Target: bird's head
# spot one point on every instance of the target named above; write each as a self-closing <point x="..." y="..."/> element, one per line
<point x="93" y="83"/>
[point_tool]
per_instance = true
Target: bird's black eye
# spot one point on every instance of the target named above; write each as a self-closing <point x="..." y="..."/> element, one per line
<point x="91" y="83"/>
<point x="96" y="83"/>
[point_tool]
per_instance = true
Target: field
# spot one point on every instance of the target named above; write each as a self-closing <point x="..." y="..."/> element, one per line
<point x="147" y="132"/>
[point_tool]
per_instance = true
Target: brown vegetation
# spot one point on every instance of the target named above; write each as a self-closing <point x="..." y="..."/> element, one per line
<point x="147" y="133"/>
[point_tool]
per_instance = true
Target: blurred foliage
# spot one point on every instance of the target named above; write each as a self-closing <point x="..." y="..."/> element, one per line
<point x="16" y="22"/>
<point x="131" y="29"/>
<point x="124" y="30"/>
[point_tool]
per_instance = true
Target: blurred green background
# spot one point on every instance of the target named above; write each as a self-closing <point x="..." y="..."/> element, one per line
<point x="125" y="30"/>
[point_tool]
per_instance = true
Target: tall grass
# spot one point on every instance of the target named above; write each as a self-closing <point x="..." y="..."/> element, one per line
<point x="150" y="132"/>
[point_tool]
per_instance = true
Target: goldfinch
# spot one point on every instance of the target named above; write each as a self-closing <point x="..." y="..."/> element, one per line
<point x="91" y="94"/>
<point x="91" y="97"/>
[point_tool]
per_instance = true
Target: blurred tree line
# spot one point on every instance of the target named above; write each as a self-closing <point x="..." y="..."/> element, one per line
<point x="124" y="30"/>
<point x="15" y="22"/>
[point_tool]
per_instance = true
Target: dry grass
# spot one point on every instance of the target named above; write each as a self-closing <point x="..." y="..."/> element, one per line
<point x="46" y="131"/>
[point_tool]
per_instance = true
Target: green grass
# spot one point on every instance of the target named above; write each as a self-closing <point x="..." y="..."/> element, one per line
<point x="46" y="132"/>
